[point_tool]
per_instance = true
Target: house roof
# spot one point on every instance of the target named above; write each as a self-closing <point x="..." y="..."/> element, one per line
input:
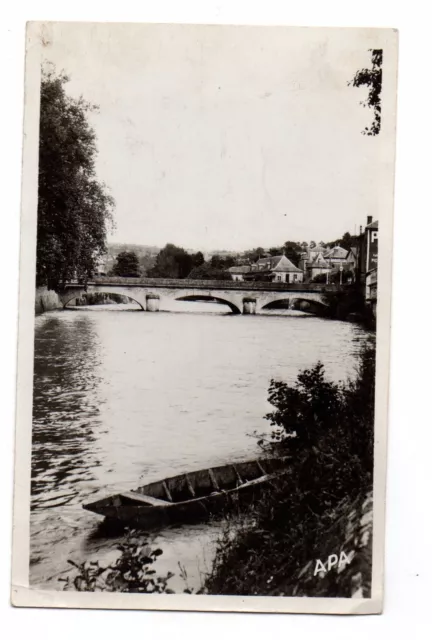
<point x="373" y="225"/>
<point x="354" y="251"/>
<point x="244" y="268"/>
<point x="319" y="261"/>
<point x="277" y="263"/>
<point x="336" y="252"/>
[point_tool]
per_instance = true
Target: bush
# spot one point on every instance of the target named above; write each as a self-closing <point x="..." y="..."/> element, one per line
<point x="328" y="427"/>
<point x="131" y="572"/>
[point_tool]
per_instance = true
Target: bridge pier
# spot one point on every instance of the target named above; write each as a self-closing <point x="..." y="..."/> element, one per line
<point x="249" y="306"/>
<point x="152" y="302"/>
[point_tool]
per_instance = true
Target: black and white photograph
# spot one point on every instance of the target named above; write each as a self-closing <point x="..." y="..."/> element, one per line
<point x="205" y="289"/>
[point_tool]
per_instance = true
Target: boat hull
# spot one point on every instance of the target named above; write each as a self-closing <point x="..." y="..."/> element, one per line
<point x="223" y="489"/>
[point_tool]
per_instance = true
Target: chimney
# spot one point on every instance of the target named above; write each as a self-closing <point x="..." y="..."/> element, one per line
<point x="369" y="220"/>
<point x="361" y="229"/>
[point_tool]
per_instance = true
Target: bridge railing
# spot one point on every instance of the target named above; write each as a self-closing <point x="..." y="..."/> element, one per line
<point x="185" y="283"/>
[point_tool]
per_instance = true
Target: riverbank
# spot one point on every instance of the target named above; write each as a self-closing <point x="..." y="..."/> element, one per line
<point x="313" y="535"/>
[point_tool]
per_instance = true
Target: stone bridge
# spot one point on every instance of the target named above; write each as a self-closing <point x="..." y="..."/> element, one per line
<point x="240" y="297"/>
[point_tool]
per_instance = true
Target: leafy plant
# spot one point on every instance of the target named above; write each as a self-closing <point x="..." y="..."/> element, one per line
<point x="304" y="411"/>
<point x="132" y="571"/>
<point x="372" y="78"/>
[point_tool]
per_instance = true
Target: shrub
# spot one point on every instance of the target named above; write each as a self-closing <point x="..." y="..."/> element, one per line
<point x="329" y="429"/>
<point x="131" y="572"/>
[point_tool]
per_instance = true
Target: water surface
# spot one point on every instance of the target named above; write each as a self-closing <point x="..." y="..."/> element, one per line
<point x="122" y="397"/>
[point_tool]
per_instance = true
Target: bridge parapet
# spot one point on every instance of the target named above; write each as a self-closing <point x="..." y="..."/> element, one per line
<point x="231" y="285"/>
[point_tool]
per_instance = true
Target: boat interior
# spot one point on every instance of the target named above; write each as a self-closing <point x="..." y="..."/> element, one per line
<point x="193" y="485"/>
<point x="198" y="484"/>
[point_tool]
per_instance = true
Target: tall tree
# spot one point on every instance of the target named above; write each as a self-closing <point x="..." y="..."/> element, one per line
<point x="127" y="265"/>
<point x="74" y="208"/>
<point x="172" y="262"/>
<point x="372" y="78"/>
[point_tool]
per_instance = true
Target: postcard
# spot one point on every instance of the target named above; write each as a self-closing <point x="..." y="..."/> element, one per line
<point x="204" y="322"/>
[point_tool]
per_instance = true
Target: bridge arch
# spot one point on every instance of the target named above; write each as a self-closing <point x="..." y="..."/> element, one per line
<point x="196" y="297"/>
<point x="308" y="304"/>
<point x="73" y="295"/>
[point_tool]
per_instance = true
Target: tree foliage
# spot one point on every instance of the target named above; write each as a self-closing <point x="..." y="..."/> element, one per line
<point x="127" y="265"/>
<point x="197" y="259"/>
<point x="275" y="251"/>
<point x="346" y="242"/>
<point x="207" y="272"/>
<point x="372" y="78"/>
<point x="222" y="262"/>
<point x="172" y="262"/>
<point x="293" y="251"/>
<point x="255" y="254"/>
<point x="317" y="412"/>
<point x="74" y="208"/>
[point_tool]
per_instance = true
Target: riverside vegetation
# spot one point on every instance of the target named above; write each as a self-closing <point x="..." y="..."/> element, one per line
<point x="326" y="429"/>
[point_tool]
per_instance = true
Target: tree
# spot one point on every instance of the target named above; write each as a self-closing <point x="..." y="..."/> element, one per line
<point x="172" y="262"/>
<point x="346" y="242"/>
<point x="293" y="251"/>
<point x="74" y="208"/>
<point x="275" y="251"/>
<point x="255" y="254"/>
<point x="372" y="78"/>
<point x="126" y="265"/>
<point x="222" y="262"/>
<point x="207" y="272"/>
<point x="197" y="259"/>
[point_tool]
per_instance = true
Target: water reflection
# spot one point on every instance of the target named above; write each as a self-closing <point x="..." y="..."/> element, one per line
<point x="65" y="409"/>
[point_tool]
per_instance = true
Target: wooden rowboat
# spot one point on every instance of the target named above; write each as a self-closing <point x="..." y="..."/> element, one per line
<point x="191" y="496"/>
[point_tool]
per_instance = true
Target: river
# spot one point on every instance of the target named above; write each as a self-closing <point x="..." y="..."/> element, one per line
<point x="122" y="396"/>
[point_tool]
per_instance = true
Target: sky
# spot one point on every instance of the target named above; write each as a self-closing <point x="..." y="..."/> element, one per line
<point x="215" y="137"/>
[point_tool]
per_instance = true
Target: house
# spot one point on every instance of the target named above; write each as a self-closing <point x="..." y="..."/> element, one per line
<point x="276" y="269"/>
<point x="352" y="262"/>
<point x="367" y="259"/>
<point x="336" y="256"/>
<point x="318" y="266"/>
<point x="310" y="254"/>
<point x="239" y="272"/>
<point x="371" y="232"/>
